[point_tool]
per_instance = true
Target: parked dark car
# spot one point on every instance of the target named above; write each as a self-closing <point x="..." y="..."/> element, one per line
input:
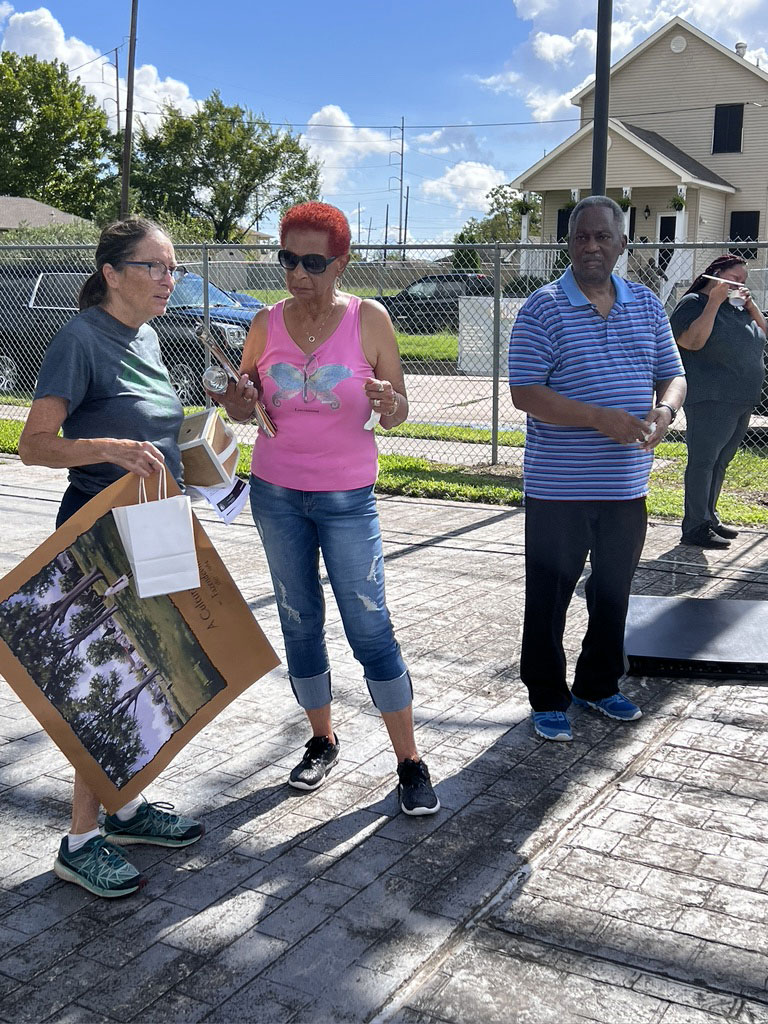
<point x="430" y="305"/>
<point x="35" y="302"/>
<point x="245" y="299"/>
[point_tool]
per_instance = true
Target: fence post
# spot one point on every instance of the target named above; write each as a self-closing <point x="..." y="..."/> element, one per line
<point x="206" y="315"/>
<point x="496" y="354"/>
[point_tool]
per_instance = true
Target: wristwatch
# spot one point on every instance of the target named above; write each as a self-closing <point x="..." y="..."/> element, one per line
<point x="673" y="412"/>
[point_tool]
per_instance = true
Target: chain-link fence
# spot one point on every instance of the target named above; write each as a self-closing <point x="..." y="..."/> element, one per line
<point x="452" y="307"/>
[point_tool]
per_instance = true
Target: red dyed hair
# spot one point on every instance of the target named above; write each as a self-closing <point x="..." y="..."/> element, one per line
<point x="319" y="217"/>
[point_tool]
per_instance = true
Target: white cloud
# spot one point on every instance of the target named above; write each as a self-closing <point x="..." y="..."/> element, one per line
<point x="758" y="56"/>
<point x="6" y="10"/>
<point x="333" y="139"/>
<point x="453" y="142"/>
<point x="551" y="105"/>
<point x="548" y="104"/>
<point x="529" y="10"/>
<point x="37" y="33"/>
<point x="556" y="49"/>
<point x="505" y="81"/>
<point x="466" y="184"/>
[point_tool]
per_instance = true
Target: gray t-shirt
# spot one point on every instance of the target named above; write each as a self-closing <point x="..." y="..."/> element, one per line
<point x="115" y="385"/>
<point x="729" y="368"/>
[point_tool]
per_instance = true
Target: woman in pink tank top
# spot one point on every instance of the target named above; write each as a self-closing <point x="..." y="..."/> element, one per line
<point x="326" y="366"/>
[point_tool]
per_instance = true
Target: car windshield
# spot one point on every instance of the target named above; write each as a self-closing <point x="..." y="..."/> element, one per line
<point x="189" y="292"/>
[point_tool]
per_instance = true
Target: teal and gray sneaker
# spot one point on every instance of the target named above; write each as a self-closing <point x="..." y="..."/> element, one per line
<point x="155" y="825"/>
<point x="98" y="867"/>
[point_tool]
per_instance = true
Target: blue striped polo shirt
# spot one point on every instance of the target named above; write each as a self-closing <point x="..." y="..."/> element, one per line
<point x="560" y="340"/>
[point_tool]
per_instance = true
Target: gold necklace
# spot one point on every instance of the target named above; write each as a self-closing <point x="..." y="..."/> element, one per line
<point x="311" y="338"/>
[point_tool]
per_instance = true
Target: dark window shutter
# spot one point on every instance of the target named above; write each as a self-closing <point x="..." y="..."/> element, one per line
<point x="729" y="121"/>
<point x="745" y="225"/>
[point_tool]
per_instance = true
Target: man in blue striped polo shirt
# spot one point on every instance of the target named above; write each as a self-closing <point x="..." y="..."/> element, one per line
<point x="593" y="363"/>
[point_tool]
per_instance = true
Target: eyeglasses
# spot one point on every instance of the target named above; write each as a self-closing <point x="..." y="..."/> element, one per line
<point x="313" y="262"/>
<point x="158" y="270"/>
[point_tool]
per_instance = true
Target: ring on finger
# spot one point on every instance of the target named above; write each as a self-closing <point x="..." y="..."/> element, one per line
<point x="376" y="402"/>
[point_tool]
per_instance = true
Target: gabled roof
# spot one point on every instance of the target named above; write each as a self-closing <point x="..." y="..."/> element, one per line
<point x="16" y="211"/>
<point x="677" y="156"/>
<point x="675" y="23"/>
<point x="690" y="171"/>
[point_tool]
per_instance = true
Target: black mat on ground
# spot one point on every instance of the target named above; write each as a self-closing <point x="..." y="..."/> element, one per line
<point x="686" y="636"/>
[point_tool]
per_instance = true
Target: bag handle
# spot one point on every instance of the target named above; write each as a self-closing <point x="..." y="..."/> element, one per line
<point x="162" y="491"/>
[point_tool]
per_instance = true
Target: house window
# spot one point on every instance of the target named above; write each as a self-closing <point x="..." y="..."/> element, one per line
<point x="745" y="225"/>
<point x="729" y="120"/>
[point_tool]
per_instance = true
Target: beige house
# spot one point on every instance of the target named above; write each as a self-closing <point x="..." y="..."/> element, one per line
<point x="688" y="148"/>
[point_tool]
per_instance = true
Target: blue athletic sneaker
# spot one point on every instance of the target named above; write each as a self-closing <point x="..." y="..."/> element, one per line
<point x="552" y="725"/>
<point x="153" y="824"/>
<point x="99" y="868"/>
<point x="616" y="706"/>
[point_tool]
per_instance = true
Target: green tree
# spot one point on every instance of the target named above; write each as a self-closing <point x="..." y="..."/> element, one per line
<point x="222" y="164"/>
<point x="53" y="136"/>
<point x="113" y="740"/>
<point x="104" y="649"/>
<point x="466" y="259"/>
<point x="505" y="210"/>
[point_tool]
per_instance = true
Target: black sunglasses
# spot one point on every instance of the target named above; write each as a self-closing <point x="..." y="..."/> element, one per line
<point x="313" y="262"/>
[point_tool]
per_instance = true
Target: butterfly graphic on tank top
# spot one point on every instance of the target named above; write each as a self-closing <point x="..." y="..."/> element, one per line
<point x="313" y="382"/>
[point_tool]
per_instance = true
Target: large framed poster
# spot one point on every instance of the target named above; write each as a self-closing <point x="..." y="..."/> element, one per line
<point x="118" y="682"/>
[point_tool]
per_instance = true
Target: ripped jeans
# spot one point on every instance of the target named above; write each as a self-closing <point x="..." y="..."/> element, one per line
<point x="295" y="526"/>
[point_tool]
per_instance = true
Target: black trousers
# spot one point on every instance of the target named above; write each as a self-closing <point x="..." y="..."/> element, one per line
<point x="714" y="431"/>
<point x="72" y="501"/>
<point x="559" y="535"/>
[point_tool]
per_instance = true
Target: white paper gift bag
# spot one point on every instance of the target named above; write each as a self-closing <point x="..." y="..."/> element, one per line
<point x="159" y="541"/>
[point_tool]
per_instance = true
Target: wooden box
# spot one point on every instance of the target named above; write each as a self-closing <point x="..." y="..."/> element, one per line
<point x="208" y="449"/>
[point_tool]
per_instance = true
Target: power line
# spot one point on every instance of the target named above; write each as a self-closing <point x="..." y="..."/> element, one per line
<point x="112" y="49"/>
<point x="475" y="124"/>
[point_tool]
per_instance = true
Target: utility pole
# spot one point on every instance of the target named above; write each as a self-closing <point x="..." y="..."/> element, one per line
<point x="402" y="156"/>
<point x="405" y="222"/>
<point x="386" y="232"/>
<point x="602" y="97"/>
<point x="128" y="140"/>
<point x="358" y="223"/>
<point x="117" y="91"/>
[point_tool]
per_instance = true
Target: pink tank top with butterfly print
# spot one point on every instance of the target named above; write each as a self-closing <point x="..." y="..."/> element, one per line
<point x="319" y="407"/>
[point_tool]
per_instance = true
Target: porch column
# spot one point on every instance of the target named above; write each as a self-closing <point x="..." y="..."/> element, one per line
<point x="684" y="257"/>
<point x="526" y="255"/>
<point x="621" y="263"/>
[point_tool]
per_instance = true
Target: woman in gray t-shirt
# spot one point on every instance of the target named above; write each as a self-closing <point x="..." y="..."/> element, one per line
<point x="103" y="384"/>
<point x="721" y="334"/>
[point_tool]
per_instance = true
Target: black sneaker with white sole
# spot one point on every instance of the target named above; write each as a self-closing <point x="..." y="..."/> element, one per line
<point x="319" y="758"/>
<point x="414" y="790"/>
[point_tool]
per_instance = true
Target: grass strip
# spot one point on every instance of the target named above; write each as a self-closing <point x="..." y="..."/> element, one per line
<point x="10" y="432"/>
<point x="467" y="435"/>
<point x="744" y="502"/>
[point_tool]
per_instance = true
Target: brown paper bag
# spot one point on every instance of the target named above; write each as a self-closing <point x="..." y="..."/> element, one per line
<point x="120" y="683"/>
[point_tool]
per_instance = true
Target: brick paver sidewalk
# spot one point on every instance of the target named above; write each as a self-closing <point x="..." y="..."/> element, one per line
<point x="620" y="878"/>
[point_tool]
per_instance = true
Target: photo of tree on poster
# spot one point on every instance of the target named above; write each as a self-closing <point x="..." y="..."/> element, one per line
<point x="125" y="673"/>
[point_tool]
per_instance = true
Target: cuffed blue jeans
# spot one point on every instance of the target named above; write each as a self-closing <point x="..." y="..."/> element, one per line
<point x="295" y="526"/>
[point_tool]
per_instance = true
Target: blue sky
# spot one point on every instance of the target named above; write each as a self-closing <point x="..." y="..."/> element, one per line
<point x="483" y="86"/>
